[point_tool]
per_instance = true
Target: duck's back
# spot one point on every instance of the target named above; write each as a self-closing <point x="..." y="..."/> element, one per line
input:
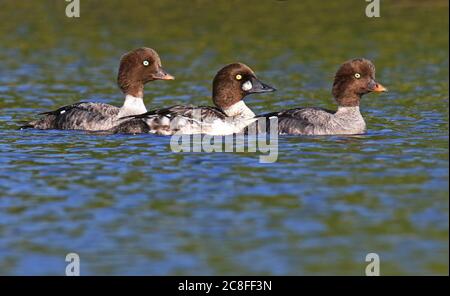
<point x="301" y="121"/>
<point x="79" y="116"/>
<point x="168" y="121"/>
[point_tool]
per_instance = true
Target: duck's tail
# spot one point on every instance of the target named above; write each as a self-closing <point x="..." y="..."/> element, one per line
<point x="26" y="125"/>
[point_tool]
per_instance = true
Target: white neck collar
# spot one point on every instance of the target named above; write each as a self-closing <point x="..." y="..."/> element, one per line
<point x="239" y="109"/>
<point x="132" y="106"/>
<point x="354" y="109"/>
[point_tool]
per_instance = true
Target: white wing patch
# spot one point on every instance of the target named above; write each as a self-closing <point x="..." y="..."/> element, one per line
<point x="247" y="86"/>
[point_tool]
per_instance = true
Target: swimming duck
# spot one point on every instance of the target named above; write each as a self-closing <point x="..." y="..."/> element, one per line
<point x="353" y="79"/>
<point x="137" y="67"/>
<point x="229" y="115"/>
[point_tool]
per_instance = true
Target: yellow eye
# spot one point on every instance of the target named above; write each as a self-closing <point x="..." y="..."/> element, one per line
<point x="357" y="75"/>
<point x="238" y="77"/>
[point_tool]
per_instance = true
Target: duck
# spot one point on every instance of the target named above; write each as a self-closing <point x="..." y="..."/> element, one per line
<point x="229" y="115"/>
<point x="136" y="68"/>
<point x="353" y="79"/>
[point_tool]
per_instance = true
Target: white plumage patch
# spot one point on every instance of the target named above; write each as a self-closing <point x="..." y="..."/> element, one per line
<point x="62" y="112"/>
<point x="165" y="120"/>
<point x="247" y="86"/>
<point x="132" y="106"/>
<point x="239" y="109"/>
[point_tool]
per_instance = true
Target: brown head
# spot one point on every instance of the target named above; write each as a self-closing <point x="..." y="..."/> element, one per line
<point x="235" y="81"/>
<point x="353" y="79"/>
<point x="138" y="67"/>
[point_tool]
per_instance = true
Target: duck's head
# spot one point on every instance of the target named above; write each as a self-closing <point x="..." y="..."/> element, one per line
<point x="353" y="79"/>
<point x="138" y="67"/>
<point x="235" y="81"/>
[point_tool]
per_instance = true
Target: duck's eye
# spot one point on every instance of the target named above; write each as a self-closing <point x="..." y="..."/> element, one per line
<point x="238" y="77"/>
<point x="357" y="75"/>
<point x="146" y="63"/>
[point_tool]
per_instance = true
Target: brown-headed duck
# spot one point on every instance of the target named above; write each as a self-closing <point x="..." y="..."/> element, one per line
<point x="230" y="115"/>
<point x="353" y="79"/>
<point x="137" y="67"/>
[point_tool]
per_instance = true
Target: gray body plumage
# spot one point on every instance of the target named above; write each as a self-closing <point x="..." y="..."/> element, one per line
<point x="184" y="120"/>
<point x="79" y="116"/>
<point x="167" y="121"/>
<point x="317" y="121"/>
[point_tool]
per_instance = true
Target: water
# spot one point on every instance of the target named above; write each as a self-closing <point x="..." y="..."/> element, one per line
<point x="128" y="205"/>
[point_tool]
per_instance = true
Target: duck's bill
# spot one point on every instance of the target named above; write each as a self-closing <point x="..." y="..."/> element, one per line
<point x="258" y="86"/>
<point x="163" y="75"/>
<point x="377" y="87"/>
